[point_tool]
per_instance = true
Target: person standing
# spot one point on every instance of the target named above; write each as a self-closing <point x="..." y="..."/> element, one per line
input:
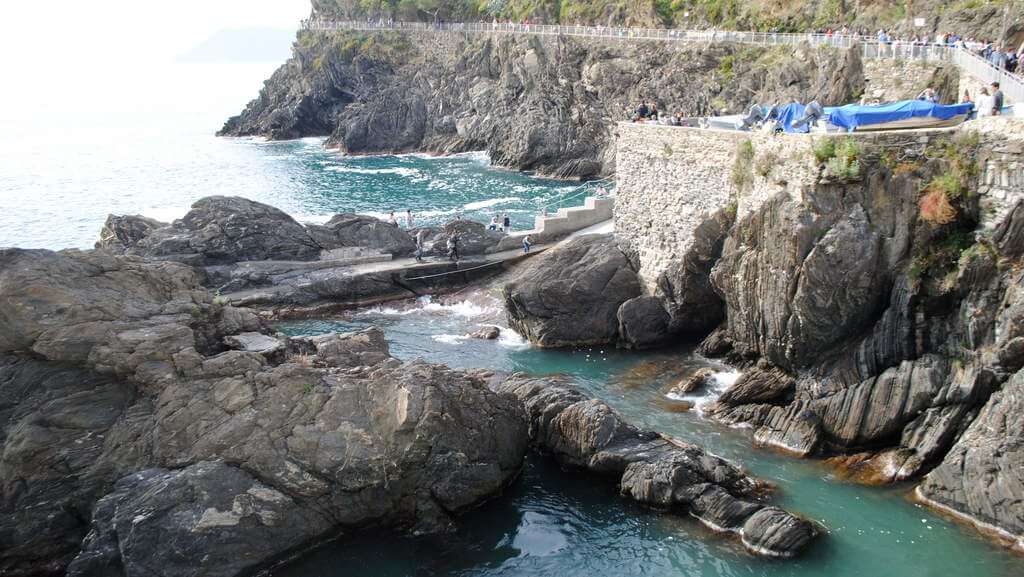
<point x="984" y="104"/>
<point x="392" y="218"/>
<point x="494" y="223"/>
<point x="408" y="218"/>
<point x="506" y="223"/>
<point x="453" y="247"/>
<point x="997" y="99"/>
<point x="526" y="244"/>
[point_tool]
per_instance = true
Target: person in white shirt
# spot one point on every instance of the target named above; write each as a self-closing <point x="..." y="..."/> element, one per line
<point x="984" y="103"/>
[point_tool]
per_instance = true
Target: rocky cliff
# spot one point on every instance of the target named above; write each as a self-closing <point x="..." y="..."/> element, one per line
<point x="869" y="287"/>
<point x="541" y="104"/>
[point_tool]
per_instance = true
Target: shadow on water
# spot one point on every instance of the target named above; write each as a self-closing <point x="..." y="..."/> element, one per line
<point x="569" y="524"/>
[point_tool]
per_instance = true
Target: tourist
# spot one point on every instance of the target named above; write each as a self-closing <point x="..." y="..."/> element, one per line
<point x="494" y="223"/>
<point x="997" y="99"/>
<point x="408" y="218"/>
<point x="453" y="247"/>
<point x="392" y="218"/>
<point x="984" y="105"/>
<point x="526" y="244"/>
<point x="967" y="97"/>
<point x="506" y="223"/>
<point x="654" y="112"/>
<point x="642" y="112"/>
<point x="928" y="95"/>
<point x="418" y="255"/>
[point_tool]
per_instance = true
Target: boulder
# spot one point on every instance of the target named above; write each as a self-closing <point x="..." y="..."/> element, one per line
<point x="698" y="381"/>
<point x="570" y="295"/>
<point x="227" y="229"/>
<point x="643" y="322"/>
<point x="474" y="238"/>
<point x="654" y="469"/>
<point x="486" y="333"/>
<point x="221" y="520"/>
<point x="356" y="230"/>
<point x="119" y="233"/>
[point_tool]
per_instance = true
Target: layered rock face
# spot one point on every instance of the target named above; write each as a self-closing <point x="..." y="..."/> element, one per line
<point x="542" y="104"/>
<point x="654" y="469"/>
<point x="122" y="403"/>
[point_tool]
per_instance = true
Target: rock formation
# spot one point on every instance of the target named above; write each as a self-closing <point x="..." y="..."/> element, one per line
<point x="121" y="402"/>
<point x="572" y="294"/>
<point x="654" y="469"/>
<point x="541" y="104"/>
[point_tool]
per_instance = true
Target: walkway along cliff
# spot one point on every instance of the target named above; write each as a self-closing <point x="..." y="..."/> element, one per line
<point x="869" y="284"/>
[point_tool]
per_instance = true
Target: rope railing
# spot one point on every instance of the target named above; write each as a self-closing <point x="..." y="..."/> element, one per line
<point x="1012" y="86"/>
<point x="583" y="189"/>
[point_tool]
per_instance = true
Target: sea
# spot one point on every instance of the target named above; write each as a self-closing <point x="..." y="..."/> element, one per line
<point x="148" y="148"/>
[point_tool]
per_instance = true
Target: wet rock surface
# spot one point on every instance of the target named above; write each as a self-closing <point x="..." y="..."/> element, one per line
<point x="654" y="469"/>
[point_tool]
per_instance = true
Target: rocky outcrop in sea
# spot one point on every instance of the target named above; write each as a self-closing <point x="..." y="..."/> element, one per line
<point x="541" y="104"/>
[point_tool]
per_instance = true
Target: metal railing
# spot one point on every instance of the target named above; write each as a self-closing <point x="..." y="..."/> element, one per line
<point x="974" y="65"/>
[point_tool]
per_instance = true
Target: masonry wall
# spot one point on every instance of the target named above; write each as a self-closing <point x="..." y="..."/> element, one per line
<point x="670" y="179"/>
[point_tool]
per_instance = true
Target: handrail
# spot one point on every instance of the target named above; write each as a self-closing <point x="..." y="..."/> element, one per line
<point x="1012" y="86"/>
<point x="587" y="184"/>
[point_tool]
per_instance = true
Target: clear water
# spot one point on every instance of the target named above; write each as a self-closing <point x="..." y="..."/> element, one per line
<point x="65" y="168"/>
<point x="139" y="140"/>
<point x="567" y="524"/>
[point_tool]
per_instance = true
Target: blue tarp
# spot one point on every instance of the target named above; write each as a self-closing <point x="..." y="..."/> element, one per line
<point x="853" y="115"/>
<point x="790" y="113"/>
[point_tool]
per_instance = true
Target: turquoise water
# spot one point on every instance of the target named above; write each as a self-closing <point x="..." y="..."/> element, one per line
<point x="146" y="146"/>
<point x="566" y="524"/>
<point x="64" y="169"/>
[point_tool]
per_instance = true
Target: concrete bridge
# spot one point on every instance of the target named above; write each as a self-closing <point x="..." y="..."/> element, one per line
<point x="968" y="62"/>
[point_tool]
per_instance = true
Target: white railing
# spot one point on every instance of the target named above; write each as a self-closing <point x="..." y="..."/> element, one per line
<point x="974" y="65"/>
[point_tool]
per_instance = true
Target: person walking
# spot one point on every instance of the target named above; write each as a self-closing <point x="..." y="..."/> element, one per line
<point x="526" y="244"/>
<point x="997" y="99"/>
<point x="420" y="239"/>
<point x="453" y="247"/>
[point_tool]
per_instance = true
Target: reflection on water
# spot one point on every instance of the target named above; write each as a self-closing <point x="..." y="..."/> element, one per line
<point x="557" y="523"/>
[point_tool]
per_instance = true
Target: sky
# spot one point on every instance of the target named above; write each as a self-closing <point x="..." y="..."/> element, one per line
<point x="57" y="50"/>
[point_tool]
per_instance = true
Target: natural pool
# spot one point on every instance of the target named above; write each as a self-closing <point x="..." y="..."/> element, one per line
<point x="568" y="524"/>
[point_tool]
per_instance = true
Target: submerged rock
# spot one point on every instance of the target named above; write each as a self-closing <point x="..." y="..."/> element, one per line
<point x="486" y="333"/>
<point x="571" y="295"/>
<point x="698" y="381"/>
<point x="654" y="469"/>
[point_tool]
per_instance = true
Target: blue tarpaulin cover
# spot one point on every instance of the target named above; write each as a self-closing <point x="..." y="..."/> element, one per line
<point x="790" y="113"/>
<point x="853" y="115"/>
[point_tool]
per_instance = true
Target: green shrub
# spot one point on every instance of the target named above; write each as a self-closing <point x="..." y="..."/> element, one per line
<point x="824" y="149"/>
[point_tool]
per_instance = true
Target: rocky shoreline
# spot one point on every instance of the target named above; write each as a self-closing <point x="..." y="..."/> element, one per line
<point x="138" y="408"/>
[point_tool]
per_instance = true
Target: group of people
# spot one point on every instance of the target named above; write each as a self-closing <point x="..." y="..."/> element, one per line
<point x="989" y="101"/>
<point x="648" y="112"/>
<point x="504" y="225"/>
<point x="453" y="240"/>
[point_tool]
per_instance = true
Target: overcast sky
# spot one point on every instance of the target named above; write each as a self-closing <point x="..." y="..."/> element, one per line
<point x="59" y="54"/>
<point x="60" y="32"/>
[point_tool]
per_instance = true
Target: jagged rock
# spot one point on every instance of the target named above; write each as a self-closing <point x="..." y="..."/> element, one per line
<point x="685" y="286"/>
<point x="367" y="347"/>
<point x="119" y="233"/>
<point x="354" y="230"/>
<point x="254" y="343"/>
<point x="220" y="519"/>
<point x="758" y="385"/>
<point x="699" y="380"/>
<point x="643" y="322"/>
<point x="474" y="238"/>
<point x="533" y="103"/>
<point x="486" y="333"/>
<point x="982" y="476"/>
<point x="570" y="295"/>
<point x="654" y="469"/>
<point x="352" y="438"/>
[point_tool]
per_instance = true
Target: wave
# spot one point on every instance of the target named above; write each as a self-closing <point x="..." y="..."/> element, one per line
<point x="449" y="339"/>
<point x="410" y="172"/>
<point x="426" y="304"/>
<point x="165" y="213"/>
<point x="508" y="338"/>
<point x="721" y="381"/>
<point x="492" y="202"/>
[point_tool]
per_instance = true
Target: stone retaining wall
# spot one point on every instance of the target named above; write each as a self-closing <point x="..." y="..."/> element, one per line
<point x="670" y="179"/>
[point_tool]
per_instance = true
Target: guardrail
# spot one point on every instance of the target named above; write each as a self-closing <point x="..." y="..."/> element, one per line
<point x="974" y="65"/>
